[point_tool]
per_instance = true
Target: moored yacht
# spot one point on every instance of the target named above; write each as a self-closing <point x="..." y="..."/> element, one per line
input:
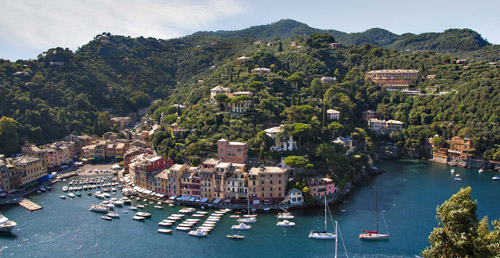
<point x="285" y="215"/>
<point x="241" y="226"/>
<point x="98" y="208"/>
<point x="6" y="225"/>
<point x="285" y="223"/>
<point x="198" y="232"/>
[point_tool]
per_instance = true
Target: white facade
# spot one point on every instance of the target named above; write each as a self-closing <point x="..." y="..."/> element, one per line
<point x="333" y="114"/>
<point x="281" y="142"/>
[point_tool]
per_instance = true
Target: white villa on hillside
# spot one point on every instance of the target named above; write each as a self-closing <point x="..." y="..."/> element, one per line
<point x="218" y="90"/>
<point x="281" y="142"/>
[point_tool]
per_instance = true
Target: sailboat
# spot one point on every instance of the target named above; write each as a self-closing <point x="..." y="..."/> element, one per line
<point x="248" y="218"/>
<point x="375" y="235"/>
<point x="322" y="234"/>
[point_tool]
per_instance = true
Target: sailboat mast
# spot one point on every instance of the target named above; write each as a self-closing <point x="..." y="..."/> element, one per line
<point x="336" y="238"/>
<point x="325" y="213"/>
<point x="376" y="204"/>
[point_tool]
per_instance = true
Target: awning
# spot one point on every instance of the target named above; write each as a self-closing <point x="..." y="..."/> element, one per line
<point x="152" y="193"/>
<point x="147" y="192"/>
<point x="256" y="202"/>
<point x="217" y="200"/>
<point x="227" y="201"/>
<point x="45" y="178"/>
<point x="137" y="188"/>
<point x="172" y="197"/>
<point x="160" y="195"/>
<point x="3" y="194"/>
<point x="192" y="199"/>
<point x="204" y="200"/>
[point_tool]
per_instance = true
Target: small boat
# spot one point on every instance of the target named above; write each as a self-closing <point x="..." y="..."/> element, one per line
<point x="89" y="193"/>
<point x="235" y="236"/>
<point x="285" y="223"/>
<point x="193" y="220"/>
<point x="143" y="214"/>
<point x="165" y="224"/>
<point x="158" y="207"/>
<point x="496" y="178"/>
<point x="132" y="208"/>
<point x="457" y="177"/>
<point x="138" y="199"/>
<point x="118" y="203"/>
<point x="480" y="171"/>
<point x="65" y="188"/>
<point x="62" y="197"/>
<point x="113" y="215"/>
<point x="285" y="215"/>
<point x="452" y="170"/>
<point x="183" y="228"/>
<point x="98" y="208"/>
<point x="106" y="195"/>
<point x="138" y="218"/>
<point x="72" y="195"/>
<point x="170" y="205"/>
<point x="48" y="188"/>
<point x="241" y="226"/>
<point x="164" y="231"/>
<point x="169" y="220"/>
<point x="265" y="209"/>
<point x="198" y="215"/>
<point x="125" y="211"/>
<point x="106" y="218"/>
<point x="78" y="194"/>
<point x="145" y="200"/>
<point x="109" y="205"/>
<point x="38" y="191"/>
<point x="140" y="206"/>
<point x="234" y="216"/>
<point x="202" y="212"/>
<point x="198" y="233"/>
<point x="247" y="220"/>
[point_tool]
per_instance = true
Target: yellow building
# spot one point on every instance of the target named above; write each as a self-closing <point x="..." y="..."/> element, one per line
<point x="267" y="184"/>
<point x="173" y="175"/>
<point x="29" y="168"/>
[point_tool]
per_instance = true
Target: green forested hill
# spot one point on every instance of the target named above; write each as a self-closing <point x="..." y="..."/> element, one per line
<point x="49" y="99"/>
<point x="464" y="43"/>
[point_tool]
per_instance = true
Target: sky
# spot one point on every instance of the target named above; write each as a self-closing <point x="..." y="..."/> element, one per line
<point x="30" y="27"/>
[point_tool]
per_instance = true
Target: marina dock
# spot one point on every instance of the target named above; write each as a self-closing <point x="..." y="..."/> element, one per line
<point x="29" y="205"/>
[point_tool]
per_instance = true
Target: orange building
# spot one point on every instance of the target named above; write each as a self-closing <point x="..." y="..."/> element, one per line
<point x="235" y="152"/>
<point x="393" y="80"/>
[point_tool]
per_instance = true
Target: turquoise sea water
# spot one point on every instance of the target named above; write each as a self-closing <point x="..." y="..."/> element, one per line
<point x="409" y="193"/>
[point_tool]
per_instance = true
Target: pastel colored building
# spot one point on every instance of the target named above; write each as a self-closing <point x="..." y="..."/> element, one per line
<point x="393" y="80"/>
<point x="29" y="169"/>
<point x="232" y="151"/>
<point x="385" y="127"/>
<point x="267" y="185"/>
<point x="321" y="186"/>
<point x="295" y="196"/>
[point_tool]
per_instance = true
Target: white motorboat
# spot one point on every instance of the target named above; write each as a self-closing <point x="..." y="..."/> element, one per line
<point x="198" y="233"/>
<point x="196" y="215"/>
<point x="62" y="197"/>
<point x="183" y="228"/>
<point x="165" y="224"/>
<point x="234" y="216"/>
<point x="285" y="223"/>
<point x="202" y="212"/>
<point x="106" y="218"/>
<point x="235" y="236"/>
<point x="72" y="195"/>
<point x="241" y="226"/>
<point x="107" y="195"/>
<point x="169" y="220"/>
<point x="164" y="231"/>
<point x="452" y="170"/>
<point x="6" y="225"/>
<point x="140" y="206"/>
<point x="143" y="214"/>
<point x="113" y="215"/>
<point x="132" y="208"/>
<point x="118" y="203"/>
<point x="158" y="207"/>
<point x="457" y="177"/>
<point x="65" y="188"/>
<point x="247" y="220"/>
<point x="496" y="178"/>
<point x="285" y="215"/>
<point x="109" y="205"/>
<point x="187" y="210"/>
<point x="138" y="218"/>
<point x="98" y="208"/>
<point x="480" y="171"/>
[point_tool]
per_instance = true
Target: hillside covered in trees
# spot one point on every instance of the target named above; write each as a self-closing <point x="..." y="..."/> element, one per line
<point x="63" y="92"/>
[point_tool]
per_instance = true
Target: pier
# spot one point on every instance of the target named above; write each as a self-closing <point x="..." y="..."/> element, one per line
<point x="29" y="205"/>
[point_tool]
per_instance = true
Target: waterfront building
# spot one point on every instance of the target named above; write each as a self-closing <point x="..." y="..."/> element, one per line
<point x="219" y="184"/>
<point x="30" y="169"/>
<point x="95" y="151"/>
<point x="385" y="127"/>
<point x="267" y="184"/>
<point x="333" y="114"/>
<point x="393" y="80"/>
<point x="232" y="151"/>
<point x="131" y="154"/>
<point x="9" y="177"/>
<point x="207" y="170"/>
<point x="281" y="142"/>
<point x="237" y="183"/>
<point x="173" y="175"/>
<point x="143" y="167"/>
<point x="295" y="197"/>
<point x="161" y="182"/>
<point x="460" y="148"/>
<point x="190" y="183"/>
<point x="52" y="155"/>
<point x="321" y="186"/>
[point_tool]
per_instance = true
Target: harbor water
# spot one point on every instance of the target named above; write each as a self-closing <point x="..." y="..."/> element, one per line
<point x="408" y="193"/>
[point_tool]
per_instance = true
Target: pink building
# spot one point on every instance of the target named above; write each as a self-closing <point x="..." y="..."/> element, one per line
<point x="235" y="152"/>
<point x="321" y="186"/>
